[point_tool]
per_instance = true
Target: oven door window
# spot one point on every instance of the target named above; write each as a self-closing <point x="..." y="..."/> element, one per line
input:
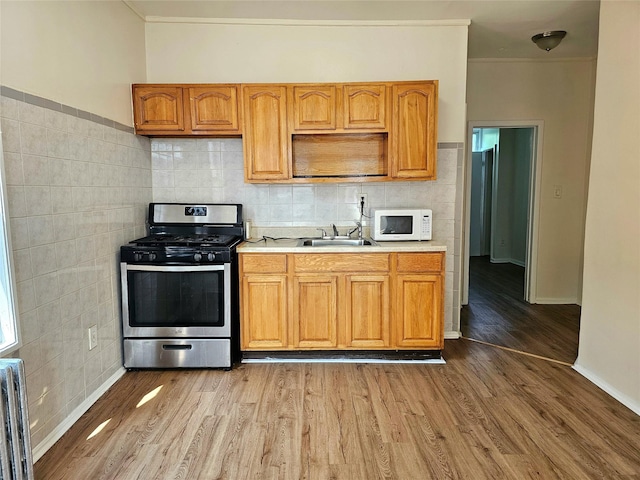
<point x="176" y="299"/>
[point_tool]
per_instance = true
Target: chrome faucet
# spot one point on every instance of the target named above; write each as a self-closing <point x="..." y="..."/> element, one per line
<point x="335" y="230"/>
<point x="358" y="227"/>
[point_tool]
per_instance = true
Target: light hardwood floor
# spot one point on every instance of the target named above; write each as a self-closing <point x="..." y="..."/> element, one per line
<point x="487" y="413"/>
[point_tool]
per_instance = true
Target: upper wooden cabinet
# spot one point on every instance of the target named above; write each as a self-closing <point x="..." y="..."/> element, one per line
<point x="214" y="109"/>
<point x="265" y="140"/>
<point x="413" y="137"/>
<point x="193" y="110"/>
<point x="306" y="133"/>
<point x="158" y="109"/>
<point x="338" y="108"/>
<point x="365" y="106"/>
<point x="313" y="107"/>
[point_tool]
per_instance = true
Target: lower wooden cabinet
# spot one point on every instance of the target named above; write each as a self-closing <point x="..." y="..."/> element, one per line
<point x="417" y="310"/>
<point x="332" y="301"/>
<point x="315" y="320"/>
<point x="264" y="301"/>
<point x="367" y="311"/>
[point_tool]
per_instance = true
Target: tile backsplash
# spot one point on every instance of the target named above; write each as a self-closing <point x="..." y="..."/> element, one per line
<point x="77" y="188"/>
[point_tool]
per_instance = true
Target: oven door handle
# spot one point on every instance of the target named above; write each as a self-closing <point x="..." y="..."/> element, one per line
<point x="174" y="268"/>
<point x="177" y="347"/>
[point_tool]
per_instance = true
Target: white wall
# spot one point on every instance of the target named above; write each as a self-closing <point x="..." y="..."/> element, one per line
<point x="609" y="350"/>
<point x="560" y="93"/>
<point x="210" y="53"/>
<point x="81" y="54"/>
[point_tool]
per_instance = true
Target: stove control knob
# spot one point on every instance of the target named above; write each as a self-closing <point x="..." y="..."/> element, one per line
<point x="137" y="256"/>
<point x="197" y="257"/>
<point x="211" y="257"/>
<point x="152" y="257"/>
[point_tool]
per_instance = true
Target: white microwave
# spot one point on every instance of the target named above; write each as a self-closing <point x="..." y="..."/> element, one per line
<point x="402" y="224"/>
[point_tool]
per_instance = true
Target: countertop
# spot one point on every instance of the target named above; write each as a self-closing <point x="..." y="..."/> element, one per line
<point x="290" y="245"/>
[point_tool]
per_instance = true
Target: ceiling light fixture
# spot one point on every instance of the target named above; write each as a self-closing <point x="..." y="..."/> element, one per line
<point x="548" y="40"/>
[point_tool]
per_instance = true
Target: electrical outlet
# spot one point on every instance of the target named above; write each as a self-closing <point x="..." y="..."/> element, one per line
<point x="93" y="337"/>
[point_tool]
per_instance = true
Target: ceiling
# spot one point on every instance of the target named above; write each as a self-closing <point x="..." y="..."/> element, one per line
<point x="499" y="28"/>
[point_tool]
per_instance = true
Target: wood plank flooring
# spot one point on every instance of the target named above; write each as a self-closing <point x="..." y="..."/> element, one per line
<point x="498" y="314"/>
<point x="486" y="414"/>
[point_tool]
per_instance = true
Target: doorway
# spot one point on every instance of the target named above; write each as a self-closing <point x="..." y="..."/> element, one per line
<point x="501" y="192"/>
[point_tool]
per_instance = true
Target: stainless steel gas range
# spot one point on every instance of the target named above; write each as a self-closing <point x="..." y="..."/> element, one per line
<point x="180" y="288"/>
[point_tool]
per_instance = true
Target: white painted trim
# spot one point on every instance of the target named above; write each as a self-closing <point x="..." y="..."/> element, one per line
<point x="500" y="260"/>
<point x="517" y="262"/>
<point x="627" y="401"/>
<point x="558" y="301"/>
<point x="452" y="335"/>
<point x="48" y="442"/>
<point x="311" y="23"/>
<point x="535" y="183"/>
<point x="532" y="60"/>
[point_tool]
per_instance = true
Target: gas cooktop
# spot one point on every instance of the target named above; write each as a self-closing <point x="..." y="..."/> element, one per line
<point x="193" y="239"/>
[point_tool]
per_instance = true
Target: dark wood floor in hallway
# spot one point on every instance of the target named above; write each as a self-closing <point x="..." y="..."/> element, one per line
<point x="498" y="314"/>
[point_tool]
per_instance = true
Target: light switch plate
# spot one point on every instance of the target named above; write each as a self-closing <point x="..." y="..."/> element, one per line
<point x="557" y="191"/>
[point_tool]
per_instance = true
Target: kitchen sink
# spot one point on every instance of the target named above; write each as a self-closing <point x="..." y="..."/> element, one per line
<point x="331" y="242"/>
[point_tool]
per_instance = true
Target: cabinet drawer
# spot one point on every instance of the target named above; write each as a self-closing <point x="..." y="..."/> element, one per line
<point x="263" y="263"/>
<point x="342" y="262"/>
<point x="420" y="262"/>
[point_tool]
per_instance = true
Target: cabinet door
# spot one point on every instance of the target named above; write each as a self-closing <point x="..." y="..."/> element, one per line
<point x="367" y="315"/>
<point x="315" y="311"/>
<point x="214" y="108"/>
<point x="364" y="106"/>
<point x="158" y="108"/>
<point x="314" y="107"/>
<point x="413" y="136"/>
<point x="264" y="312"/>
<point x="265" y="133"/>
<point x="419" y="311"/>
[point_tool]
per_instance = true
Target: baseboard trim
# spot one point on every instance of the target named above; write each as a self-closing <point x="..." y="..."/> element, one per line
<point x="452" y="335"/>
<point x="517" y="262"/>
<point x="557" y="301"/>
<point x="624" y="399"/>
<point x="39" y="450"/>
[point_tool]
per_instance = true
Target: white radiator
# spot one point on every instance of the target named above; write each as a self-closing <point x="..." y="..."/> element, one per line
<point x="16" y="460"/>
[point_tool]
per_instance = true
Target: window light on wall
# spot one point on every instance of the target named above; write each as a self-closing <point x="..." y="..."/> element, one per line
<point x="9" y="332"/>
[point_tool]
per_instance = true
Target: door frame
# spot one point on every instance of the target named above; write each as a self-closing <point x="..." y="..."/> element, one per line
<point x="530" y="293"/>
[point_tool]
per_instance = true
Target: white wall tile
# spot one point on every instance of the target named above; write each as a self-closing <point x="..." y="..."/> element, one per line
<point x="11" y="136"/>
<point x="33" y="139"/>
<point x="70" y="181"/>
<point x="13" y="169"/>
